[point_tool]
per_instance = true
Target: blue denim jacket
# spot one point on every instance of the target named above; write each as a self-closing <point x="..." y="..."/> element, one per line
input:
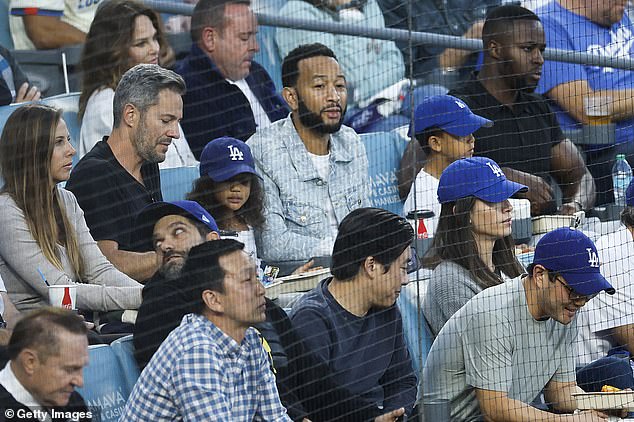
<point x="295" y="195"/>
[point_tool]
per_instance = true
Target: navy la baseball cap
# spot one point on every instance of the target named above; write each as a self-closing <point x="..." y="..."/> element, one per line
<point x="152" y="213"/>
<point x="476" y="176"/>
<point x="629" y="194"/>
<point x="449" y="113"/>
<point x="226" y="157"/>
<point x="572" y="254"/>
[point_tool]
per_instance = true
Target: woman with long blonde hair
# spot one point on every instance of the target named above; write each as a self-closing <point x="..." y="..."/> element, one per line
<point x="43" y="233"/>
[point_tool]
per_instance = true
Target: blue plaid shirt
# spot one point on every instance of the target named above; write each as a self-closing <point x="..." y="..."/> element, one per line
<point x="201" y="374"/>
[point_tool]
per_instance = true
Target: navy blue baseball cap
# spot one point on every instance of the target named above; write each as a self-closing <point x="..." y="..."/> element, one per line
<point x="629" y="195"/>
<point x="226" y="157"/>
<point x="152" y="213"/>
<point x="476" y="176"/>
<point x="572" y="254"/>
<point x="449" y="113"/>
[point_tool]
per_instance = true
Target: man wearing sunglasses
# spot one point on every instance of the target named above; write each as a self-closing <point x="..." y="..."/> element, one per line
<point x="515" y="340"/>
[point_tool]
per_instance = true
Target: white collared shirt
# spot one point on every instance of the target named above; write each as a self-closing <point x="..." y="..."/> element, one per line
<point x="17" y="390"/>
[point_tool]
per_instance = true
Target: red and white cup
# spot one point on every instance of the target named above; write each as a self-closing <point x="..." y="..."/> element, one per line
<point x="63" y="296"/>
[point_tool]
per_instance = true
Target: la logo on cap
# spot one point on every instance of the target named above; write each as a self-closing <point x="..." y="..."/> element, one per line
<point x="205" y="219"/>
<point x="461" y="104"/>
<point x="235" y="154"/>
<point x="495" y="169"/>
<point x="593" y="258"/>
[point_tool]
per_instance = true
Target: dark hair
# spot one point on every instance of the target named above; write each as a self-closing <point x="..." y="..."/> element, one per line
<point x="423" y="138"/>
<point x="251" y="212"/>
<point x="499" y="21"/>
<point x="369" y="232"/>
<point x="454" y="241"/>
<point x="627" y="216"/>
<point x="290" y="65"/>
<point x="39" y="330"/>
<point x="202" y="270"/>
<point x="105" y="56"/>
<point x="210" y="13"/>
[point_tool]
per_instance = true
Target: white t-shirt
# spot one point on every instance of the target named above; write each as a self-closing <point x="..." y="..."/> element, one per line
<point x="604" y="312"/>
<point x="260" y="116"/>
<point x="78" y="13"/>
<point x="98" y="122"/>
<point x="322" y="165"/>
<point x="424" y="196"/>
<point x="2" y="289"/>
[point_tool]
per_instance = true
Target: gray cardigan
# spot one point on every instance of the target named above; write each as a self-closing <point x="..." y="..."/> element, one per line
<point x="450" y="288"/>
<point x="104" y="288"/>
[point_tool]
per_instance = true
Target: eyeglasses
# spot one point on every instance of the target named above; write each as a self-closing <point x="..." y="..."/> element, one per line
<point x="574" y="296"/>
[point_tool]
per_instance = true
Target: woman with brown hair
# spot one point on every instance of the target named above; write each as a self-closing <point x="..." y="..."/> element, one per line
<point x="123" y="34"/>
<point x="473" y="248"/>
<point x="43" y="233"/>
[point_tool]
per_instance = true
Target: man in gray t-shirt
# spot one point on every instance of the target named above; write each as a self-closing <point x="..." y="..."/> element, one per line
<point x="512" y="341"/>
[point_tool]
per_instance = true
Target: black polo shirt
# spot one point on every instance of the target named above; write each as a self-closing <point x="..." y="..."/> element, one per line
<point x="521" y="138"/>
<point x="110" y="196"/>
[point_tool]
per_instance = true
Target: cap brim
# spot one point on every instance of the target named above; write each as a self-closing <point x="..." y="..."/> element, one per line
<point x="223" y="176"/>
<point x="587" y="283"/>
<point x="466" y="126"/>
<point x="500" y="191"/>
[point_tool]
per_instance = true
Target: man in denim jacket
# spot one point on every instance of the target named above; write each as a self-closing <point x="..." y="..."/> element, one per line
<point x="314" y="170"/>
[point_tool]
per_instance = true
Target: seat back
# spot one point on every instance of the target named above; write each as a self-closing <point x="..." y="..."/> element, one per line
<point x="123" y="349"/>
<point x="176" y="182"/>
<point x="384" y="151"/>
<point x="104" y="387"/>
<point x="5" y="32"/>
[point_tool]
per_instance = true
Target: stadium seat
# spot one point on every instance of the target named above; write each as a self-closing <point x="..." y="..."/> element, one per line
<point x="5" y="33"/>
<point x="105" y="386"/>
<point x="69" y="103"/>
<point x="418" y="335"/>
<point x="384" y="150"/>
<point x="177" y="182"/>
<point x="123" y="349"/>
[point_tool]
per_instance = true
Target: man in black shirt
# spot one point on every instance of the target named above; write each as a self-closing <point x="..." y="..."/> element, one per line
<point x="525" y="140"/>
<point x="120" y="175"/>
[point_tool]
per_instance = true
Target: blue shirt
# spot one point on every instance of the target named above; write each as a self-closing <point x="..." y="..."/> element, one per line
<point x="367" y="355"/>
<point x="295" y="195"/>
<point x="568" y="31"/>
<point x="201" y="374"/>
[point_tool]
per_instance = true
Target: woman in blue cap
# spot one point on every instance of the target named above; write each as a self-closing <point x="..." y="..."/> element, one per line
<point x="472" y="248"/>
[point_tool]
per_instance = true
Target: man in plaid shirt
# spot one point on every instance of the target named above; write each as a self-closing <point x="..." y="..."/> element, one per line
<point x="213" y="366"/>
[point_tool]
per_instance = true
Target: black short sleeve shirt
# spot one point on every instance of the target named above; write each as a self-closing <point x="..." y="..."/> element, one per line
<point x="522" y="137"/>
<point x="110" y="196"/>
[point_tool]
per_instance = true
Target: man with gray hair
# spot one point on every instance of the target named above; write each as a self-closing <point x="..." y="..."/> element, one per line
<point x="120" y="175"/>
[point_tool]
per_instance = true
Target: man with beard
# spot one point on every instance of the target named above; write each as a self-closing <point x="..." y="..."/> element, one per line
<point x="228" y="93"/>
<point x="120" y="175"/>
<point x="314" y="170"/>
<point x="601" y="28"/>
<point x="526" y="139"/>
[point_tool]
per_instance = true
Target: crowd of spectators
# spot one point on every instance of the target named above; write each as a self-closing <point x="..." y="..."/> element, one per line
<point x="285" y="180"/>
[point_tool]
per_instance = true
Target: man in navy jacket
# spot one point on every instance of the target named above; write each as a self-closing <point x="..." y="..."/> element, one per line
<point x="228" y="94"/>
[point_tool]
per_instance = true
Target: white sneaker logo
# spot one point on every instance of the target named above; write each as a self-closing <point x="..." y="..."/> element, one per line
<point x="235" y="154"/>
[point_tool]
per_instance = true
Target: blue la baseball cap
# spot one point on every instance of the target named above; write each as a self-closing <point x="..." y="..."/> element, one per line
<point x="449" y="113"/>
<point x="572" y="254"/>
<point x="152" y="213"/>
<point x="226" y="157"/>
<point x="629" y="194"/>
<point x="476" y="176"/>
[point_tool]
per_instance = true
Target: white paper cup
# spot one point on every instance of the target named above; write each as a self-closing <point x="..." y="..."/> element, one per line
<point x="63" y="296"/>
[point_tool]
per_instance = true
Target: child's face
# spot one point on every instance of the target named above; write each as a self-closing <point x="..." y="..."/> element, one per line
<point x="234" y="193"/>
<point x="456" y="147"/>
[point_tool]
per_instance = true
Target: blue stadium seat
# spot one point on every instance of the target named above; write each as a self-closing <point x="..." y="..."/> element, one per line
<point x="177" y="182"/>
<point x="5" y="33"/>
<point x="123" y="349"/>
<point x="105" y="388"/>
<point x="384" y="150"/>
<point x="418" y="335"/>
<point x="69" y="103"/>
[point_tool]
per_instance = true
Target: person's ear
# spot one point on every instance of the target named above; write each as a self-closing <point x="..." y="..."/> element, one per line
<point x="208" y="38"/>
<point x="212" y="236"/>
<point x="369" y="266"/>
<point x="131" y="115"/>
<point x="540" y="275"/>
<point x="290" y="96"/>
<point x="28" y="360"/>
<point x="434" y="143"/>
<point x="213" y="301"/>
<point x="495" y="49"/>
